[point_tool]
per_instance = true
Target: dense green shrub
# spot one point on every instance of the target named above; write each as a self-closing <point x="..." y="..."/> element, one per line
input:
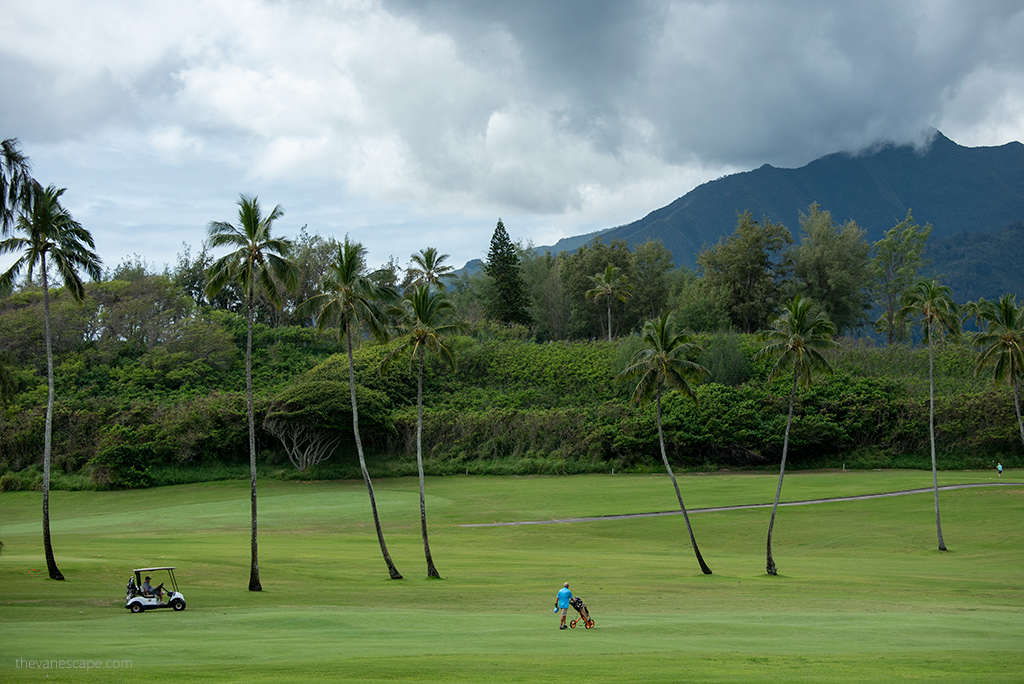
<point x="166" y="403"/>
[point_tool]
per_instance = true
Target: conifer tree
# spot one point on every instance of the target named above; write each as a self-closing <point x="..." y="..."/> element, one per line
<point x="507" y="301"/>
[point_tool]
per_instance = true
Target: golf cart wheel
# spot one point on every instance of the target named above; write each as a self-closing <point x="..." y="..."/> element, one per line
<point x="136" y="608"/>
<point x="178" y="604"/>
<point x="590" y="623"/>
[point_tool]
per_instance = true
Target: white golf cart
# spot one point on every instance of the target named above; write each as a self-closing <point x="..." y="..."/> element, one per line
<point x="137" y="600"/>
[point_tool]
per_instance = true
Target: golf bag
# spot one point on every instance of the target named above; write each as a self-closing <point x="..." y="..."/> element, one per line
<point x="581" y="608"/>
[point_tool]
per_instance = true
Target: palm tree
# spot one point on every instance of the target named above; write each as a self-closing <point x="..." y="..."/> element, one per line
<point x="933" y="304"/>
<point x="259" y="262"/>
<point x="1002" y="343"/>
<point x="423" y="329"/>
<point x="351" y="298"/>
<point x="48" y="230"/>
<point x="664" y="362"/>
<point x="15" y="182"/>
<point x="610" y="285"/>
<point x="429" y="267"/>
<point x="796" y="340"/>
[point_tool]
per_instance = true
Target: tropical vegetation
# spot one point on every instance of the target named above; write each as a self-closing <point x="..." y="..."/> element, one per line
<point x="268" y="358"/>
<point x="259" y="262"/>
<point x="46" y="230"/>
<point x="664" y="363"/>
<point x="795" y="342"/>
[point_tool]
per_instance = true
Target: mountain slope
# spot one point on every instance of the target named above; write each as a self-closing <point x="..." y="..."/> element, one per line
<point x="957" y="189"/>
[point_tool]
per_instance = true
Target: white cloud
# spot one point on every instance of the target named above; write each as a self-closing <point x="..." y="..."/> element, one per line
<point x="402" y="119"/>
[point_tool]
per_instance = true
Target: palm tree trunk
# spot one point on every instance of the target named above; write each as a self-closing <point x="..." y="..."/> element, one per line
<point x="609" y="319"/>
<point x="51" y="563"/>
<point x="1016" y="405"/>
<point x="770" y="562"/>
<point x="431" y="570"/>
<point x="931" y="432"/>
<point x="664" y="457"/>
<point x="392" y="570"/>
<point x="254" y="566"/>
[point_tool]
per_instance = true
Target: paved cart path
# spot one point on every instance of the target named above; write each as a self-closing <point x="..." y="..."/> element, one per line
<point x="904" y="492"/>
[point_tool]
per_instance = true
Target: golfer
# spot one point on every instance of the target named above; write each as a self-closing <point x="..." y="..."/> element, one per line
<point x="999" y="469"/>
<point x="564" y="596"/>
<point x="149" y="590"/>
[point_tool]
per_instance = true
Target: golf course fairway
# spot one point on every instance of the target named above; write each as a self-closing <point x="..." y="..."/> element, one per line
<point x="862" y="595"/>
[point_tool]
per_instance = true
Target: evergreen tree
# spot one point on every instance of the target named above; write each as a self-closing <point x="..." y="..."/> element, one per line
<point x="898" y="258"/>
<point x="507" y="301"/>
<point x="751" y="267"/>
<point x="832" y="267"/>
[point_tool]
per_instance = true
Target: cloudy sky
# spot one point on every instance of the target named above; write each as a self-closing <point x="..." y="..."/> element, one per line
<point x="415" y="123"/>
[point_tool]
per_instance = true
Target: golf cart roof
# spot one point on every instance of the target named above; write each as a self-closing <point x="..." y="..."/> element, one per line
<point x="151" y="569"/>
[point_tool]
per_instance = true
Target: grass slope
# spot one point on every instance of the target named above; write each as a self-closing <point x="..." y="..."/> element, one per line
<point x="863" y="594"/>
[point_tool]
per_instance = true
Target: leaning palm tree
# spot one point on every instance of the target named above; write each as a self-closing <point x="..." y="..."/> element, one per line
<point x="423" y="328"/>
<point x="608" y="286"/>
<point x="15" y="182"/>
<point x="46" y="230"/>
<point x="664" y="363"/>
<point x="428" y="267"/>
<point x="350" y="299"/>
<point x="259" y="263"/>
<point x="933" y="304"/>
<point x="795" y="341"/>
<point x="1002" y="345"/>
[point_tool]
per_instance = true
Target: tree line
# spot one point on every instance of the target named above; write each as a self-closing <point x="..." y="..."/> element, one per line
<point x="325" y="287"/>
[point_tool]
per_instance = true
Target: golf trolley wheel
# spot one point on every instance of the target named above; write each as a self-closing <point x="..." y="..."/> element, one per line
<point x="136" y="608"/>
<point x="573" y="624"/>
<point x="590" y="623"/>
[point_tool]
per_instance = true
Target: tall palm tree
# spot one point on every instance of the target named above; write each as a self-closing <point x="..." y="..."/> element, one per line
<point x="15" y="182"/>
<point x="933" y="304"/>
<point x="608" y="286"/>
<point x="259" y="263"/>
<point x="423" y="328"/>
<point x="46" y="229"/>
<point x="795" y="341"/>
<point x="429" y="267"/>
<point x="1002" y="345"/>
<point x="664" y="363"/>
<point x="351" y="298"/>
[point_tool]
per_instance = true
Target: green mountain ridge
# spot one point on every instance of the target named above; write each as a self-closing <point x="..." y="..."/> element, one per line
<point x="962" y="192"/>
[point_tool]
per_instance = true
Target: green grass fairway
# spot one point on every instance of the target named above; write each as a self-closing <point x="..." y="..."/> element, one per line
<point x="863" y="594"/>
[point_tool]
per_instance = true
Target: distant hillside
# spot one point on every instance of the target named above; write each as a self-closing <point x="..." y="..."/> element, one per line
<point x="983" y="264"/>
<point x="956" y="189"/>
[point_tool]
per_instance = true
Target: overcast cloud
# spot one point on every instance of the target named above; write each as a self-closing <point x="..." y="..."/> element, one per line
<point x="410" y="123"/>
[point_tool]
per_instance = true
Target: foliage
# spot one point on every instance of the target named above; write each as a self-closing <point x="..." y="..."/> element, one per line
<point x="1001" y="343"/>
<point x="142" y="354"/>
<point x="751" y="266"/>
<point x="15" y="182"/>
<point x="324" y="404"/>
<point x="506" y="301"/>
<point x="700" y="306"/>
<point x="898" y="258"/>
<point x="427" y="267"/>
<point x="831" y="267"/>
<point x="610" y="285"/>
<point x="726" y="360"/>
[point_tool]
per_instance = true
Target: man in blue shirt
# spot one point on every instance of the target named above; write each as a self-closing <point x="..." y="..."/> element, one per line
<point x="564" y="596"/>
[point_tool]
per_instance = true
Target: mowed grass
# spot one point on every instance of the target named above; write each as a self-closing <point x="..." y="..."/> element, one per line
<point x="863" y="593"/>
